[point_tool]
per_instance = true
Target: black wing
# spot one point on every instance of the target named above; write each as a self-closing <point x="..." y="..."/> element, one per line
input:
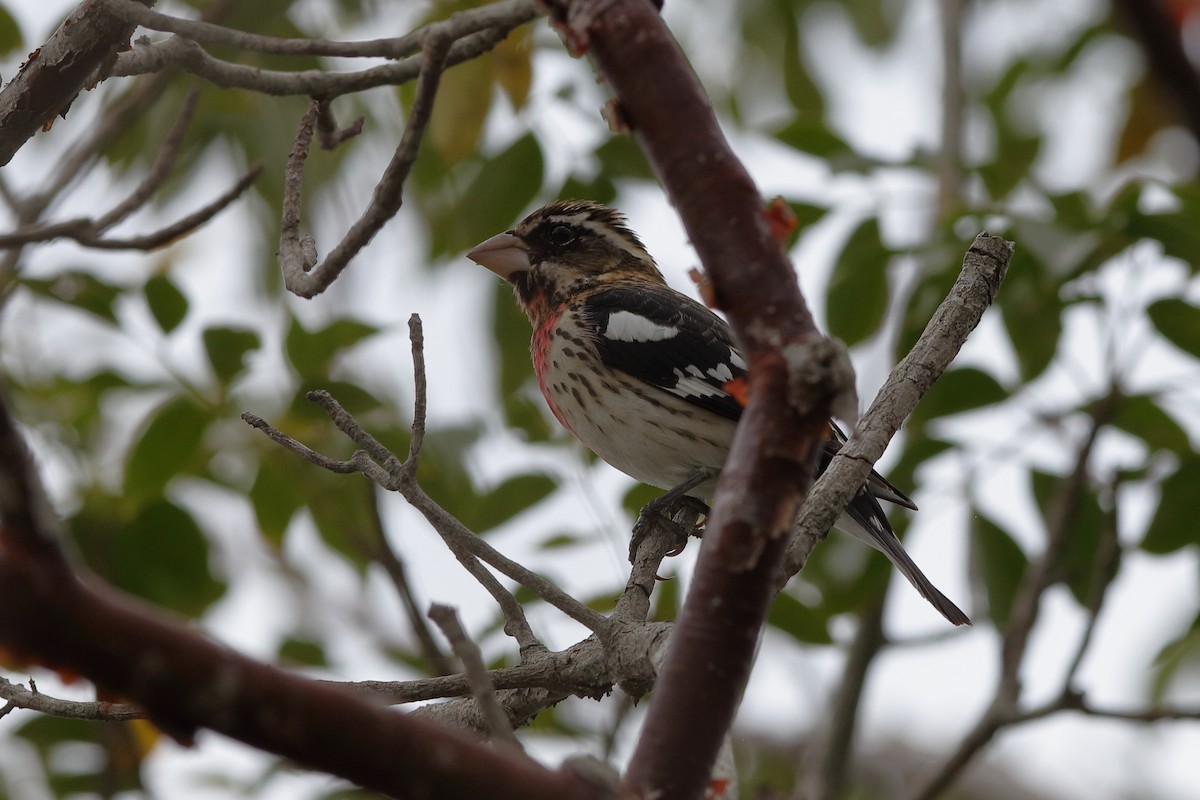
<point x="669" y="341"/>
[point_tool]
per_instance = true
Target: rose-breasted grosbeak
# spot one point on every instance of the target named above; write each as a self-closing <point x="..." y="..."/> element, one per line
<point x="646" y="377"/>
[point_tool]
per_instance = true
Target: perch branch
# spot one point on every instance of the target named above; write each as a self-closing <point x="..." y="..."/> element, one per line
<point x="774" y="453"/>
<point x="984" y="266"/>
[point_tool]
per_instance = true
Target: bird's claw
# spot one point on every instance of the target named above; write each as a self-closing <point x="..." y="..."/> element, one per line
<point x="663" y="515"/>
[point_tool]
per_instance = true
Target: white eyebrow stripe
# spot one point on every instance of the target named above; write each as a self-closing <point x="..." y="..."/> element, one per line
<point x="606" y="232"/>
<point x="626" y="326"/>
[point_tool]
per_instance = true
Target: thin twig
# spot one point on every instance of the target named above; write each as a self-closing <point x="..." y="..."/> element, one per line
<point x="177" y="52"/>
<point x="1038" y="577"/>
<point x="327" y="128"/>
<point x="300" y="275"/>
<point x="456" y="26"/>
<point x="393" y="477"/>
<point x="20" y="697"/>
<point x="387" y="557"/>
<point x="164" y="162"/>
<point x="482" y="688"/>
<point x="90" y="233"/>
<point x="1104" y="570"/>
<point x="984" y="267"/>
<point x="516" y="624"/>
<point x="416" y="337"/>
<point x="825" y="772"/>
<point x="294" y="248"/>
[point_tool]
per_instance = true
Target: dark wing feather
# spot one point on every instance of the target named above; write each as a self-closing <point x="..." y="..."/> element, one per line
<point x="697" y="363"/>
<point x="695" y="358"/>
<point x="880" y="486"/>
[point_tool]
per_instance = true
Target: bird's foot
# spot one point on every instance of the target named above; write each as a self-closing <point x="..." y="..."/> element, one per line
<point x="674" y="512"/>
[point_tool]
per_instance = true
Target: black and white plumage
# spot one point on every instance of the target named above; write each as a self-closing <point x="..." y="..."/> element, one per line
<point x="648" y="378"/>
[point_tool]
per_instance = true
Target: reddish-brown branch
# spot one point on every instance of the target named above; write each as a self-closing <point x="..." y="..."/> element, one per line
<point x="771" y="463"/>
<point x="186" y="681"/>
<point x="51" y="77"/>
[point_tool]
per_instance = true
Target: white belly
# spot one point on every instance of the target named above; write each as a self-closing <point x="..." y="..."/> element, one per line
<point x="646" y="432"/>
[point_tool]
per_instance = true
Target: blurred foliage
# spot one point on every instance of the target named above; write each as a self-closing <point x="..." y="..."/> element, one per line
<point x="136" y="522"/>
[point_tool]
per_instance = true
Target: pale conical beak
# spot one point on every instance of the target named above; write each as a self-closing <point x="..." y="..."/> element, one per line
<point x="504" y="254"/>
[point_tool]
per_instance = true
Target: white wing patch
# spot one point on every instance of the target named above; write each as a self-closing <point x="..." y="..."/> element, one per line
<point x="736" y="359"/>
<point x="687" y="386"/>
<point x="721" y="372"/>
<point x="626" y="326"/>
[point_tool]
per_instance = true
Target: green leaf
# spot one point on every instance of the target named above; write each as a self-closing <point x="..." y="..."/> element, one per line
<point x="959" y="390"/>
<point x="813" y="137"/>
<point x="505" y="186"/>
<point x="559" y="541"/>
<point x="1143" y="417"/>
<point x="667" y="599"/>
<point x="1176" y="231"/>
<point x="1179" y="322"/>
<point x="638" y="496"/>
<point x="802" y="91"/>
<point x="512" y="497"/>
<point x="350" y="396"/>
<point x="856" y="301"/>
<point x="11" y="39"/>
<point x="512" y="65"/>
<point x="166" y="444"/>
<point x="302" y="653"/>
<point x="1000" y="563"/>
<point x="806" y="214"/>
<point x="162" y="556"/>
<point x="276" y="496"/>
<point x="310" y="352"/>
<point x="874" y="20"/>
<point x="621" y="157"/>
<point x="918" y="448"/>
<point x="464" y="99"/>
<point x="341" y="509"/>
<point x="227" y="349"/>
<point x="1032" y="311"/>
<point x="167" y="304"/>
<point x="80" y="290"/>
<point x="1174" y="524"/>
<point x="1085" y="526"/>
<point x="803" y="623"/>
<point x="601" y="189"/>
<point x="1179" y="656"/>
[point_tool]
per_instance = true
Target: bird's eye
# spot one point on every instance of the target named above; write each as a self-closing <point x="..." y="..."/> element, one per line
<point x="561" y="235"/>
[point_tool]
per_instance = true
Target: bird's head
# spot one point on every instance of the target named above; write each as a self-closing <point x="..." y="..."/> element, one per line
<point x="565" y="247"/>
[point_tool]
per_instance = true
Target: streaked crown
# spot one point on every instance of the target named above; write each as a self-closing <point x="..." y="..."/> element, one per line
<point x="566" y="246"/>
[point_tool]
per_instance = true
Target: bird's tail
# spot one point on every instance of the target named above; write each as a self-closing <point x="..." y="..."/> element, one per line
<point x="864" y="519"/>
